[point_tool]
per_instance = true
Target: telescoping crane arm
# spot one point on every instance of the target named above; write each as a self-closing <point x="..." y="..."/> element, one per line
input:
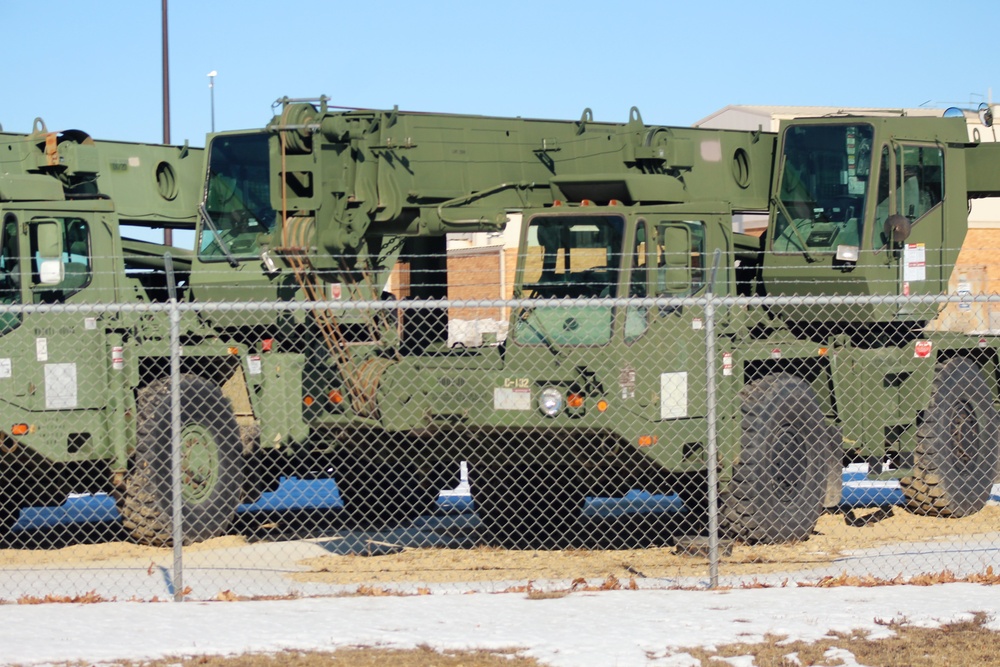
<point x="391" y="172"/>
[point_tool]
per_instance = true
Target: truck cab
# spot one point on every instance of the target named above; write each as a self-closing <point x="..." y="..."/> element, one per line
<point x="65" y="200"/>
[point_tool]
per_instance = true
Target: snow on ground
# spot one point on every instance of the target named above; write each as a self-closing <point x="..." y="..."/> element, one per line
<point x="602" y="629"/>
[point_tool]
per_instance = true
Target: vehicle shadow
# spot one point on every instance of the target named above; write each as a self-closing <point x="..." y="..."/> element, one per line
<point x="613" y="524"/>
<point x="633" y="522"/>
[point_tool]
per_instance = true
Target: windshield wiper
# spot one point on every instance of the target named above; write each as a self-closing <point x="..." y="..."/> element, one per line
<point x="526" y="313"/>
<point x="207" y="219"/>
<point x="791" y="223"/>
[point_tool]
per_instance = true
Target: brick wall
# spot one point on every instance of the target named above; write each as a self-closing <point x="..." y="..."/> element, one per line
<point x="474" y="274"/>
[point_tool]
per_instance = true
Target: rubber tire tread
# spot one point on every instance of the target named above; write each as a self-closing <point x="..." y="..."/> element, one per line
<point x="146" y="503"/>
<point x="943" y="483"/>
<point x="779" y="482"/>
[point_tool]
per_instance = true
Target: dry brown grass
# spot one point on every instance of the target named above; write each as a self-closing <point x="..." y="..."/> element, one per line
<point x="959" y="644"/>
<point x="351" y="657"/>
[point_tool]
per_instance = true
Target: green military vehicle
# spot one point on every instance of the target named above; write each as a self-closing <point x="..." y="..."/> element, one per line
<point x="75" y="219"/>
<point x="322" y="205"/>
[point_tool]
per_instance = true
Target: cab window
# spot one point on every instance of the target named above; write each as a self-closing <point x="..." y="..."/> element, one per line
<point x="569" y="257"/>
<point x="680" y="258"/>
<point x="637" y="317"/>
<point x="823" y="187"/>
<point x="75" y="260"/>
<point x="917" y="184"/>
<point x="237" y="197"/>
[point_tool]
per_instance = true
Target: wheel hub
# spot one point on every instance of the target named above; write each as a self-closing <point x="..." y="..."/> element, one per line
<point x="199" y="463"/>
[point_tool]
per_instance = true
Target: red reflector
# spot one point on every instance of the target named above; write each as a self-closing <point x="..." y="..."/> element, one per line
<point x="574" y="401"/>
<point x="265" y="345"/>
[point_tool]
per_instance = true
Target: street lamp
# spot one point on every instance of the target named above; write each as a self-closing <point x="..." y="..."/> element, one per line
<point x="211" y="93"/>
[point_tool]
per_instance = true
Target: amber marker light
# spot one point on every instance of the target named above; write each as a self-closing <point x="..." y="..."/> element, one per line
<point x="336" y="397"/>
<point x="574" y="401"/>
<point x="602" y="405"/>
<point x="823" y="351"/>
<point x="19" y="429"/>
<point x="234" y="350"/>
<point x="648" y="440"/>
<point x="308" y="400"/>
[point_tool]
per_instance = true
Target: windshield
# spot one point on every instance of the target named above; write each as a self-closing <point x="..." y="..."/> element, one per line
<point x="569" y="257"/>
<point x="823" y="187"/>
<point x="237" y="197"/>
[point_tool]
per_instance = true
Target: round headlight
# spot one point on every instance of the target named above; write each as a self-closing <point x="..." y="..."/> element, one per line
<point x="550" y="401"/>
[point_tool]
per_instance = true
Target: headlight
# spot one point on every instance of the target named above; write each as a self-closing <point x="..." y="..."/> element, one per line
<point x="550" y="401"/>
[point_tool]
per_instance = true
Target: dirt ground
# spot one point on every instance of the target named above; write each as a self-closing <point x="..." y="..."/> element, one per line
<point x="836" y="535"/>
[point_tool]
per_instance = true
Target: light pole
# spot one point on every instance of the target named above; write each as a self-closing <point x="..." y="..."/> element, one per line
<point x="168" y="234"/>
<point x="211" y="94"/>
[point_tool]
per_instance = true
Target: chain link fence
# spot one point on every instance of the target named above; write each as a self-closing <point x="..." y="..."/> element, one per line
<point x="158" y="450"/>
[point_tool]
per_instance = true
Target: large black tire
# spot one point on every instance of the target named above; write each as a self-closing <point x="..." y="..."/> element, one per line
<point x="212" y="465"/>
<point x="958" y="444"/>
<point x="377" y="496"/>
<point x="526" y="501"/>
<point x="786" y="449"/>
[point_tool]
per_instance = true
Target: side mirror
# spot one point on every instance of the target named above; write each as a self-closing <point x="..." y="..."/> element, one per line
<point x="896" y="228"/>
<point x="48" y="233"/>
<point x="986" y="115"/>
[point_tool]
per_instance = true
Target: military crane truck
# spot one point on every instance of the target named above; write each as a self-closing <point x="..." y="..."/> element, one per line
<point x="76" y="219"/>
<point x="322" y="204"/>
<point x="593" y="401"/>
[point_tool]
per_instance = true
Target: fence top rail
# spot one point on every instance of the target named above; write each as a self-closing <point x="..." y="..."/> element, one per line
<point x="644" y="302"/>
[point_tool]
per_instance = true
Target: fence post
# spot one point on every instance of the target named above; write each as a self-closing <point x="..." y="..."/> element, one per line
<point x="711" y="451"/>
<point x="176" y="497"/>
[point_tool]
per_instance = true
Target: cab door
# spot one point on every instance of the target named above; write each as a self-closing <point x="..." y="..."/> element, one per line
<point x="665" y="361"/>
<point x="909" y="227"/>
<point x="54" y="360"/>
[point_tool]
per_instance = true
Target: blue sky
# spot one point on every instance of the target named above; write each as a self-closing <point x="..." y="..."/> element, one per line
<point x="95" y="65"/>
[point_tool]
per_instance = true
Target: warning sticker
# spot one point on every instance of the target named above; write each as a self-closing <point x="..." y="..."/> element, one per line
<point x="914" y="262"/>
<point x="511" y="399"/>
<point x="922" y="349"/>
